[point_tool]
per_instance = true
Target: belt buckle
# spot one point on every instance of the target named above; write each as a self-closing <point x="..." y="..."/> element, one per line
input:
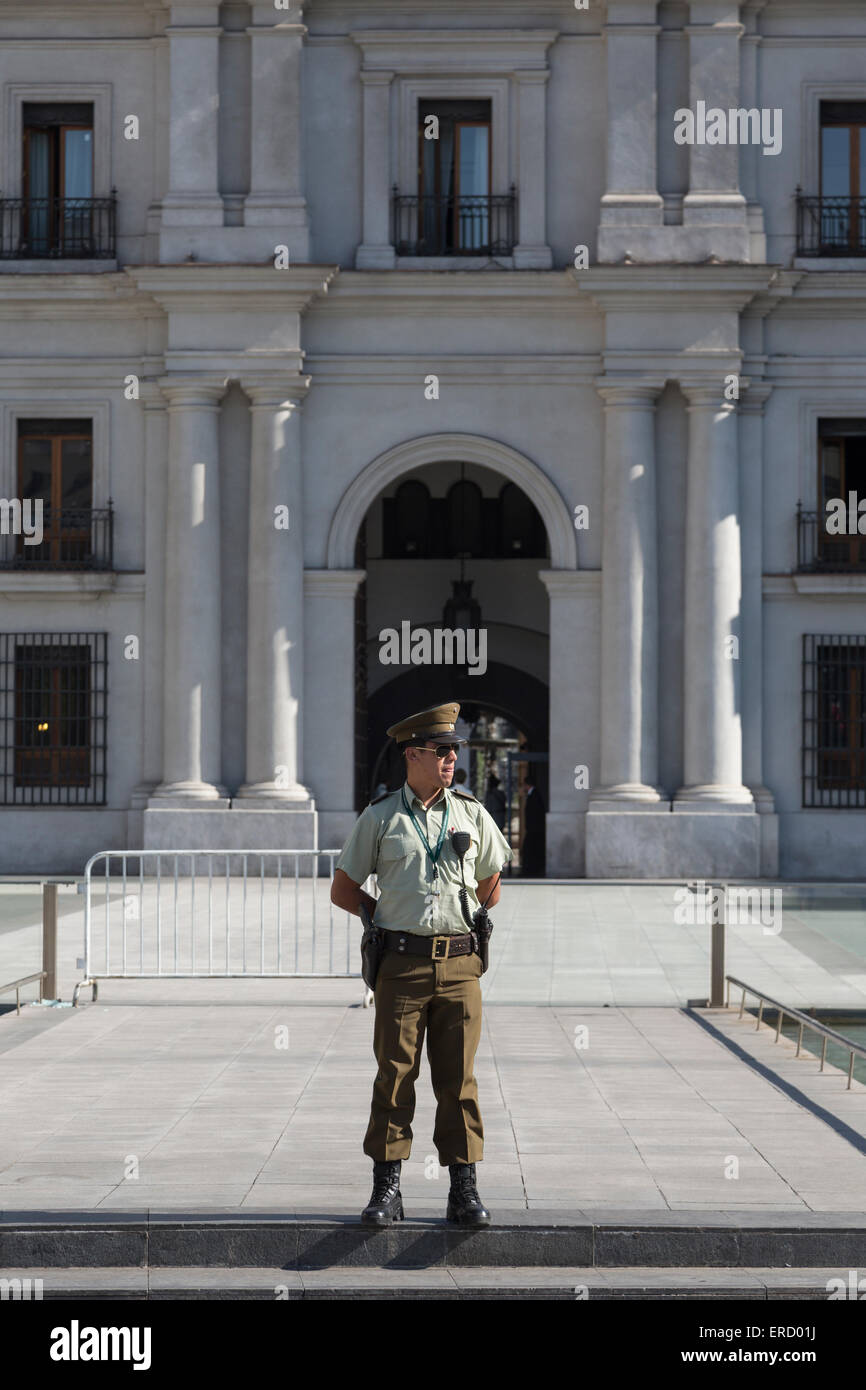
<point x="436" y="953"/>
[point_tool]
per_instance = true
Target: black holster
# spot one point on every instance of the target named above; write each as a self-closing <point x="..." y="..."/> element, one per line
<point x="483" y="928"/>
<point x="372" y="948"/>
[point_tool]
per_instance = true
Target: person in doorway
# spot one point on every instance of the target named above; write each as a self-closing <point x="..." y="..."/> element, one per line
<point x="428" y="977"/>
<point x="494" y="801"/>
<point x="532" y="851"/>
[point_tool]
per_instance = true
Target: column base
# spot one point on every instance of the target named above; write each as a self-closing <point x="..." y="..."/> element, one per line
<point x="261" y="795"/>
<point x="192" y="210"/>
<point x="626" y="844"/>
<point x="375" y="258"/>
<point x="204" y="794"/>
<point x="712" y="796"/>
<point x="765" y="803"/>
<point x="627" y="796"/>
<point x="532" y="258"/>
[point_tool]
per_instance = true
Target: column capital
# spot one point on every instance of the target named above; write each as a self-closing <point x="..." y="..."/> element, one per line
<point x="755" y="398"/>
<point x="571" y="583"/>
<point x="634" y="31"/>
<point x="333" y="583"/>
<point x="536" y="76"/>
<point x="200" y="392"/>
<point x="283" y="393"/>
<point x="375" y="78"/>
<point x="629" y="395"/>
<point x="707" y="395"/>
<point x="191" y="13"/>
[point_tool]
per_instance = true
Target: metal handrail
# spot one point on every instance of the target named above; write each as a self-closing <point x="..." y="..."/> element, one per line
<point x="803" y="1019"/>
<point x="25" y="980"/>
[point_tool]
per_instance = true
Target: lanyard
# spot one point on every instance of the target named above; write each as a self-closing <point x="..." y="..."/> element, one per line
<point x="433" y="853"/>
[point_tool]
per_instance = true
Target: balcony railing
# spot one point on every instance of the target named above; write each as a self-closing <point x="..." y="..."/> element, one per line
<point x="818" y="552"/>
<point x="58" y="228"/>
<point x="76" y="538"/>
<point x="831" y="226"/>
<point x="475" y="225"/>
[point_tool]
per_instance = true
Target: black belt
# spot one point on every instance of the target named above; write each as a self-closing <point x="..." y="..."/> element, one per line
<point x="433" y="947"/>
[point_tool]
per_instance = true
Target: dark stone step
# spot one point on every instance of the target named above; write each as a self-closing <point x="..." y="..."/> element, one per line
<point x="530" y="1239"/>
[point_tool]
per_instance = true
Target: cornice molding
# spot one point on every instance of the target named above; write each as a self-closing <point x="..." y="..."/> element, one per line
<point x="833" y="587"/>
<point x="213" y="288"/>
<point x="650" y="289"/>
<point x="454" y="369"/>
<point x="454" y="50"/>
<point x="75" y="586"/>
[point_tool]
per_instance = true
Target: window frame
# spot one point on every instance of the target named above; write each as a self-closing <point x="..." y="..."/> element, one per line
<point x="77" y="772"/>
<point x="98" y="94"/>
<point x="819" y="789"/>
<point x="55" y="533"/>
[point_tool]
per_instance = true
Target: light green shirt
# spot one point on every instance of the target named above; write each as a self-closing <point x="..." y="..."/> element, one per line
<point x="386" y="843"/>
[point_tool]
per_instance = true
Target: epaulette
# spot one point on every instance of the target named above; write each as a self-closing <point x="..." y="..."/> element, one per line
<point x="458" y="791"/>
<point x="380" y="798"/>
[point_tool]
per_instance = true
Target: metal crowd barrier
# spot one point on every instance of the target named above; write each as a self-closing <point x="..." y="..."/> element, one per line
<point x="191" y="914"/>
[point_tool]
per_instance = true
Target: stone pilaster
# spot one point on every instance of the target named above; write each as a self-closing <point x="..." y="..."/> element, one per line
<point x="751" y="416"/>
<point x="532" y="251"/>
<point x="714" y="199"/>
<point x="276" y="197"/>
<point x="631" y="200"/>
<point x="155" y="511"/>
<point x="193" y="198"/>
<point x="376" y="251"/>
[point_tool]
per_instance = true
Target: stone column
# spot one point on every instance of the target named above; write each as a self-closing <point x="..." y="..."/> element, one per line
<point x="714" y="196"/>
<point x="751" y="417"/>
<point x="532" y="251"/>
<point x="155" y="513"/>
<point x="629" y="604"/>
<point x="276" y="195"/>
<point x="631" y="198"/>
<point x="191" y="709"/>
<point x="376" y="251"/>
<point x="712" y="733"/>
<point x="193" y="198"/>
<point x="275" y="596"/>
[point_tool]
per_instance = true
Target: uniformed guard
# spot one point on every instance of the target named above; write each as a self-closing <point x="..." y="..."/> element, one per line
<point x="428" y="977"/>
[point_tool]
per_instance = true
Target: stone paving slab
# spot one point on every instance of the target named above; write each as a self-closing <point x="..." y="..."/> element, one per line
<point x="197" y="1105"/>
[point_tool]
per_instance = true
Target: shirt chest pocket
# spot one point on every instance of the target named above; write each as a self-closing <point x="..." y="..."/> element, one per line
<point x="394" y="850"/>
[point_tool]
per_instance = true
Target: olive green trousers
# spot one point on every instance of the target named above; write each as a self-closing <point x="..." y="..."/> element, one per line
<point x="442" y="998"/>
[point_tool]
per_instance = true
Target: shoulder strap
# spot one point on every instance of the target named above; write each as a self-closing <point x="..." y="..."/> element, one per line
<point x="458" y="791"/>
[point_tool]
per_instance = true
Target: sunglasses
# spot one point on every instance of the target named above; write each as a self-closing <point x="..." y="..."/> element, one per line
<point x="441" y="750"/>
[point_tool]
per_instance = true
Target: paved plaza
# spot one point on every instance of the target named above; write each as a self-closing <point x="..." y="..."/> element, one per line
<point x="599" y="1089"/>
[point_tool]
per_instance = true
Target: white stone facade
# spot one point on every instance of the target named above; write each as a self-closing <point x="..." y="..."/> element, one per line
<point x="282" y="344"/>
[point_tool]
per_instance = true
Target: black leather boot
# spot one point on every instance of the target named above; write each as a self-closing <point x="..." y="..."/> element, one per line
<point x="464" y="1204"/>
<point x="386" y="1204"/>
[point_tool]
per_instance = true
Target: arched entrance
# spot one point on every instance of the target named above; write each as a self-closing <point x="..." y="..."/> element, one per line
<point x="415" y="590"/>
